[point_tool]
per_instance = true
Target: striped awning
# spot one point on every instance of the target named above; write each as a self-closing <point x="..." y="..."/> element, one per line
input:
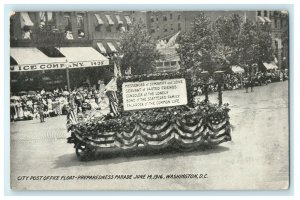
<point x="128" y="21"/>
<point x="112" y="47"/>
<point x="119" y="19"/>
<point x="82" y="54"/>
<point x="110" y="21"/>
<point x="25" y="19"/>
<point x="101" y="47"/>
<point x="270" y="66"/>
<point x="32" y="59"/>
<point x="261" y="19"/>
<point x="267" y="19"/>
<point x="99" y="20"/>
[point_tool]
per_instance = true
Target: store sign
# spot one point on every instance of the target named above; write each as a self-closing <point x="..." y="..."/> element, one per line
<point x="51" y="66"/>
<point x="154" y="94"/>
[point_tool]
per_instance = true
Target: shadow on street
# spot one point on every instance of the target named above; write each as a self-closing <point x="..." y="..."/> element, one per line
<point x="129" y="155"/>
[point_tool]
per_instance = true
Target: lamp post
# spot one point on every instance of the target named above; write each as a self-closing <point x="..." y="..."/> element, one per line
<point x="68" y="76"/>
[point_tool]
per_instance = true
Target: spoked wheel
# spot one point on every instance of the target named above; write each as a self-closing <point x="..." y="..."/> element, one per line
<point x="80" y="151"/>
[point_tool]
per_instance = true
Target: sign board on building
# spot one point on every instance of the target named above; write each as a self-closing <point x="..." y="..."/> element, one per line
<point x="51" y="66"/>
<point x="154" y="94"/>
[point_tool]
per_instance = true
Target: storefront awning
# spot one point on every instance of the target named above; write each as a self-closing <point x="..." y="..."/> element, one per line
<point x="99" y="20"/>
<point x="32" y="59"/>
<point x="119" y="19"/>
<point x="25" y="19"/>
<point x="261" y="19"/>
<point x="110" y="21"/>
<point x="83" y="56"/>
<point x="237" y="69"/>
<point x="269" y="66"/>
<point x="267" y="19"/>
<point x="101" y="47"/>
<point x="111" y="47"/>
<point x="128" y="21"/>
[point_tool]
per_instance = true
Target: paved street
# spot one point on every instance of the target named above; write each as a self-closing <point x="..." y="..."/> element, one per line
<point x="257" y="158"/>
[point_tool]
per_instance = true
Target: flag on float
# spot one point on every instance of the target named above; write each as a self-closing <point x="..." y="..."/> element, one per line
<point x="71" y="119"/>
<point x="172" y="40"/>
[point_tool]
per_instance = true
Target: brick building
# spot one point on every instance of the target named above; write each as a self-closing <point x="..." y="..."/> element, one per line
<point x="65" y="38"/>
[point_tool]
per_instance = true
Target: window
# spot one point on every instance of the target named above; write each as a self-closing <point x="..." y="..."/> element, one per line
<point x="156" y="17"/>
<point x="80" y="25"/>
<point x="165" y="18"/>
<point x="171" y="27"/>
<point x="179" y="26"/>
<point x="265" y="13"/>
<point x="67" y="21"/>
<point x="258" y="13"/>
<point x="281" y="23"/>
<point x="152" y="19"/>
<point x="167" y="64"/>
<point x="178" y="17"/>
<point x="159" y="64"/>
<point x="108" y="29"/>
<point x="152" y="30"/>
<point x="98" y="28"/>
<point x="276" y="44"/>
<point x="133" y="19"/>
<point x="80" y="20"/>
<point x="173" y="63"/>
<point x="171" y="16"/>
<point x="165" y="30"/>
<point x="275" y="23"/>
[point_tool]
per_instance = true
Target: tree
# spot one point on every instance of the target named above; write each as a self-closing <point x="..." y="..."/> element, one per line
<point x="197" y="47"/>
<point x="138" y="50"/>
<point x="227" y="35"/>
<point x="255" y="44"/>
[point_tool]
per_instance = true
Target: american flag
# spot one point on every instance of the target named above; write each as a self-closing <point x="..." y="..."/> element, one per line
<point x="71" y="119"/>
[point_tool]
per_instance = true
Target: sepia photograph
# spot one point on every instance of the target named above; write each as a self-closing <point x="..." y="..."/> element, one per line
<point x="149" y="100"/>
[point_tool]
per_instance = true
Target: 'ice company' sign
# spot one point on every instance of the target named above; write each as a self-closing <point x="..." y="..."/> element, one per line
<point x="154" y="94"/>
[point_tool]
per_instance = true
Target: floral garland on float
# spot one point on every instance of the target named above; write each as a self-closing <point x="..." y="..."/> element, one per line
<point x="185" y="127"/>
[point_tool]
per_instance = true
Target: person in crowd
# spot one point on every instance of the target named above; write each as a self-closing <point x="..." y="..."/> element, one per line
<point x="12" y="110"/>
<point x="41" y="111"/>
<point x="251" y="82"/>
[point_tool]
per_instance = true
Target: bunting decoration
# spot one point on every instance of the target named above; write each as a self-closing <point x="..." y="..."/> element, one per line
<point x="181" y="127"/>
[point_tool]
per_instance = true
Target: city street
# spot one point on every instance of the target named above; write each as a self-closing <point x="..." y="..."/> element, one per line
<point x="256" y="158"/>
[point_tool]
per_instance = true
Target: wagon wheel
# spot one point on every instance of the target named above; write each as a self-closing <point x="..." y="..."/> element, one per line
<point x="80" y="150"/>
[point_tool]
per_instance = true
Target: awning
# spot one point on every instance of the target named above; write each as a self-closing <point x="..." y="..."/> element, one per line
<point x="267" y="19"/>
<point x="99" y="20"/>
<point x="110" y="21"/>
<point x="237" y="69"/>
<point x="25" y="19"/>
<point x="101" y="47"/>
<point x="270" y="66"/>
<point x="261" y="19"/>
<point x="111" y="47"/>
<point x="128" y="21"/>
<point x="32" y="59"/>
<point x="119" y="19"/>
<point x="83" y="57"/>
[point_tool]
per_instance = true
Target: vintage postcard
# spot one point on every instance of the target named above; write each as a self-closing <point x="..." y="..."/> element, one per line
<point x="149" y="100"/>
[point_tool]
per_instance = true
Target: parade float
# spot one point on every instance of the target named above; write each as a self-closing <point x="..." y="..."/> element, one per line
<point x="152" y="111"/>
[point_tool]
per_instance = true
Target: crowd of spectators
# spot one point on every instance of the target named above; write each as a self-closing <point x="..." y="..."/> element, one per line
<point x="28" y="105"/>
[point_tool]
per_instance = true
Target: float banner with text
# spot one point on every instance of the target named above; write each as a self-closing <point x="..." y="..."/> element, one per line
<point x="154" y="94"/>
